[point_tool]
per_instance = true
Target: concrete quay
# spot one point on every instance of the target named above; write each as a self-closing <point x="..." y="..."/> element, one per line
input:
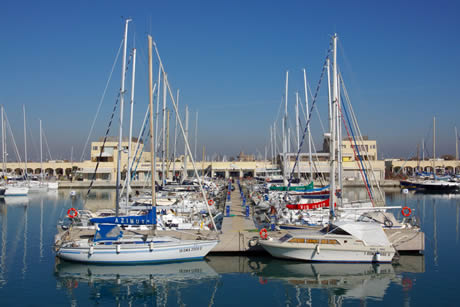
<point x="239" y="234"/>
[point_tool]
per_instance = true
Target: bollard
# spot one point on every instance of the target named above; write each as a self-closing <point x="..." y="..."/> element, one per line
<point x="272" y="222"/>
<point x="247" y="211"/>
<point x="228" y="197"/>
<point x="227" y="210"/>
<point x="244" y="201"/>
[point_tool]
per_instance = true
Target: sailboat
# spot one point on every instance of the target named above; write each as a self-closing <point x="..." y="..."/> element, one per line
<point x="11" y="188"/>
<point x="112" y="245"/>
<point x="339" y="240"/>
<point x="435" y="185"/>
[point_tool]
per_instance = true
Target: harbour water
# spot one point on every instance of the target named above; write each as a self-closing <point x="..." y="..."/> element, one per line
<point x="31" y="276"/>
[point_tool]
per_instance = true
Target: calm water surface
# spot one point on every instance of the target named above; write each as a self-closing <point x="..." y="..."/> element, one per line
<point x="31" y="276"/>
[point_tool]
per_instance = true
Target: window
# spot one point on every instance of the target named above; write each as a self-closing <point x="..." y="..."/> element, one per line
<point x="297" y="240"/>
<point x="94" y="147"/>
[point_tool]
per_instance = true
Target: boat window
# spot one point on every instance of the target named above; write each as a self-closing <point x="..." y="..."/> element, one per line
<point x="297" y="240"/>
<point x="285" y="238"/>
<point x="313" y="241"/>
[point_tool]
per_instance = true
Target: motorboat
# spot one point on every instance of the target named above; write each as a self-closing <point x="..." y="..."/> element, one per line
<point x="340" y="241"/>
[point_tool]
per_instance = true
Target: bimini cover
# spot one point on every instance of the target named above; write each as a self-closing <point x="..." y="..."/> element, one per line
<point x="107" y="232"/>
<point x="370" y="233"/>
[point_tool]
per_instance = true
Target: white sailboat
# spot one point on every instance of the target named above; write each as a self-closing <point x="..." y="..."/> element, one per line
<point x="111" y="245"/>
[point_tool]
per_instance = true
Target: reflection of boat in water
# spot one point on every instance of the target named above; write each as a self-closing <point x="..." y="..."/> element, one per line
<point x="136" y="285"/>
<point x="169" y="272"/>
<point x="356" y="280"/>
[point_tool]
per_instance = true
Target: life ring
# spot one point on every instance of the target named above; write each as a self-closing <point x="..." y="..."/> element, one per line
<point x="210" y="202"/>
<point x="406" y="211"/>
<point x="263" y="234"/>
<point x="72" y="213"/>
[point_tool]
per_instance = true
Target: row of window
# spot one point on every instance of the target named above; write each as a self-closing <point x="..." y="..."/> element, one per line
<point x="313" y="241"/>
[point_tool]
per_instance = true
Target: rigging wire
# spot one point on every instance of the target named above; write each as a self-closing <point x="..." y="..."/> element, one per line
<point x="308" y="121"/>
<point x="101" y="101"/>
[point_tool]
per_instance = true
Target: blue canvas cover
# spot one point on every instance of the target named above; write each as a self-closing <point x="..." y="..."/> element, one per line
<point x="107" y="232"/>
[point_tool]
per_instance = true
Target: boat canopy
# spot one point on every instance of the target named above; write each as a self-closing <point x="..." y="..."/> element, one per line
<point x="107" y="232"/>
<point x="370" y="233"/>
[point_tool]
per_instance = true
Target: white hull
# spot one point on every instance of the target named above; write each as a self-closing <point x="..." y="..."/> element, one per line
<point x="139" y="253"/>
<point x="53" y="185"/>
<point x="16" y="191"/>
<point x="322" y="253"/>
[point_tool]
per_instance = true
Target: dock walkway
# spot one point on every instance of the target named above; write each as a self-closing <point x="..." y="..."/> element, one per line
<point x="237" y="229"/>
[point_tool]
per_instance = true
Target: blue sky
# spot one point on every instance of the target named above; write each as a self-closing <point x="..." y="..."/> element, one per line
<point x="399" y="59"/>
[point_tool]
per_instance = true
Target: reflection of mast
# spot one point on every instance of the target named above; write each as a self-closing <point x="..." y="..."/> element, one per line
<point x="4" y="237"/>
<point x="435" y="239"/>
<point x="456" y="225"/>
<point x="41" y="228"/>
<point x="24" y="264"/>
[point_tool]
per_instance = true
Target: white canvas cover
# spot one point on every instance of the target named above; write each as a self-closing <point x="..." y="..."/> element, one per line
<point x="370" y="233"/>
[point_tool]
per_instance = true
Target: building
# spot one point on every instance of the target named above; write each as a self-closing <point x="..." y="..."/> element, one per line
<point x="104" y="157"/>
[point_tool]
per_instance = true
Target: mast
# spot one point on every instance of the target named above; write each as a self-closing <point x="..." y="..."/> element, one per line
<point x="156" y="123"/>
<point x="41" y="151"/>
<point x="167" y="145"/>
<point x="271" y="142"/>
<point x="332" y="196"/>
<point x="152" y="145"/>
<point x="308" y="117"/>
<point x="297" y="129"/>
<point x="175" y="138"/>
<point x="165" y="77"/>
<point x="423" y="149"/>
<point x="185" y="141"/>
<point x="128" y="174"/>
<point x="456" y="144"/>
<point x="339" y="140"/>
<point x="285" y="129"/>
<point x="122" y="100"/>
<point x="196" y="134"/>
<point x="25" y="140"/>
<point x="434" y="147"/>
<point x="3" y="145"/>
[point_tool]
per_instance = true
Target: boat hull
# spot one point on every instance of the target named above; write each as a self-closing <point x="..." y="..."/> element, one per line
<point x="135" y="254"/>
<point x="324" y="253"/>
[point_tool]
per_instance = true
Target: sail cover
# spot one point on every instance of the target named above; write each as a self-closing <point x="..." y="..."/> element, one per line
<point x="107" y="232"/>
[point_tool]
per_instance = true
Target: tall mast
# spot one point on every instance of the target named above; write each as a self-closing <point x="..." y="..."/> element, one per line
<point x="285" y="130"/>
<point x="423" y="149"/>
<point x="271" y="141"/>
<point x="185" y="142"/>
<point x="297" y="130"/>
<point x="167" y="145"/>
<point x="152" y="145"/>
<point x="434" y="147"/>
<point x="3" y="144"/>
<point x="333" y="161"/>
<point x="156" y="124"/>
<point x="339" y="139"/>
<point x="128" y="174"/>
<point x="308" y="127"/>
<point x="25" y="141"/>
<point x="456" y="144"/>
<point x="41" y="151"/>
<point x="175" y="137"/>
<point x="122" y="100"/>
<point x="196" y="134"/>
<point x="163" y="178"/>
<point x="274" y="140"/>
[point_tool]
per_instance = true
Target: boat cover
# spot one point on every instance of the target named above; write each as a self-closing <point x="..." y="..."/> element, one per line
<point x="107" y="232"/>
<point x="370" y="233"/>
